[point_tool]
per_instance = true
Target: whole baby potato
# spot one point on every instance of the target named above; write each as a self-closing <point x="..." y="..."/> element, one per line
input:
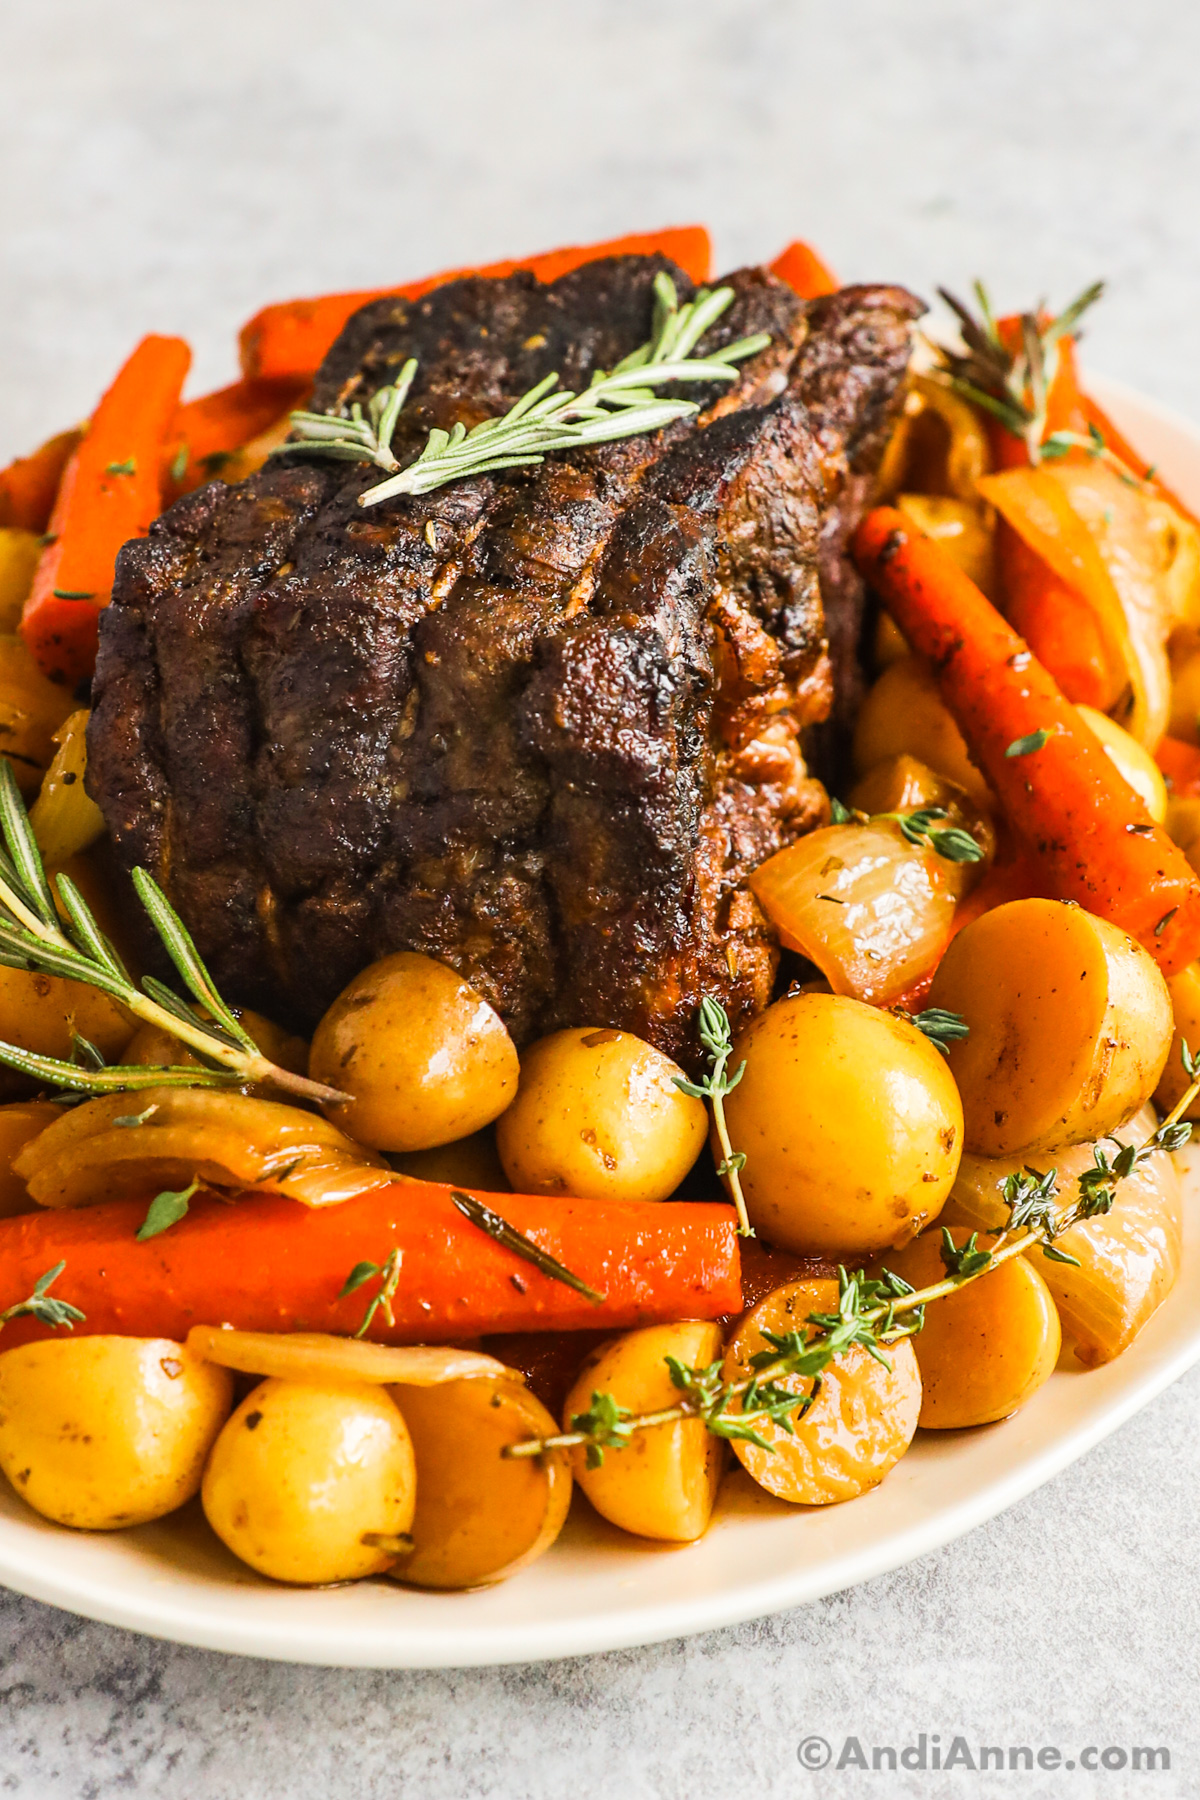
<point x="1070" y="1026"/>
<point x="102" y="1432"/>
<point x="598" y="1113"/>
<point x="425" y="1058"/>
<point x="663" y="1483"/>
<point x="850" y="1124"/>
<point x="303" y="1474"/>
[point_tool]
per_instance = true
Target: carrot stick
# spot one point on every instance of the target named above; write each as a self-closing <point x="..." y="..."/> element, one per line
<point x="1057" y="622"/>
<point x="1180" y="764"/>
<point x="288" y="340"/>
<point x="110" y="493"/>
<point x="805" y="272"/>
<point x="207" y="431"/>
<point x="266" y="1264"/>
<point x="1092" y="838"/>
<point x="29" y="485"/>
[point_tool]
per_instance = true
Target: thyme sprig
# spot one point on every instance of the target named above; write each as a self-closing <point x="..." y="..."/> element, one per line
<point x="938" y="1024"/>
<point x="388" y="1274"/>
<point x="871" y="1312"/>
<point x="1013" y="386"/>
<point x="920" y="827"/>
<point x="33" y="937"/>
<point x="43" y="1306"/>
<point x="1094" y="446"/>
<point x="717" y="1039"/>
<point x="617" y="403"/>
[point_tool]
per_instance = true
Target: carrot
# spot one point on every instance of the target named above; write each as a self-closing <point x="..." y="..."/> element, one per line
<point x="1065" y="404"/>
<point x="29" y="485"/>
<point x="266" y="1264"/>
<point x="1180" y="764"/>
<point x="110" y="492"/>
<point x="1057" y="622"/>
<point x="288" y="340"/>
<point x="1090" y="836"/>
<point x="207" y="431"/>
<point x="804" y="271"/>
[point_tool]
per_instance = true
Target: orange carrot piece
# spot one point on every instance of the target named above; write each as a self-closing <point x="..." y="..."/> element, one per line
<point x="110" y="493"/>
<point x="207" y="430"/>
<point x="29" y="485"/>
<point x="266" y="1264"/>
<point x="1065" y="405"/>
<point x="1180" y="764"/>
<point x="805" y="272"/>
<point x="287" y="341"/>
<point x="1090" y="835"/>
<point x="1057" y="623"/>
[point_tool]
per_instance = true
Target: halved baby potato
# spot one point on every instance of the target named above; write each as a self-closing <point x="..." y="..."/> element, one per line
<point x="1070" y="1025"/>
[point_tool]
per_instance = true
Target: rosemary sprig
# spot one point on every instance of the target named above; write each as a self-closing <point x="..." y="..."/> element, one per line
<point x="42" y="1305"/>
<point x="501" y="1232"/>
<point x="617" y="404"/>
<point x="717" y="1039"/>
<point x="33" y="937"/>
<point x="1012" y="386"/>
<point x="919" y="827"/>
<point x="871" y="1313"/>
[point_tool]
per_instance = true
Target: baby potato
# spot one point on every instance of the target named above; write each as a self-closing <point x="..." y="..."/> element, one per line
<point x="598" y="1113"/>
<point x="1184" y="990"/>
<point x="1132" y="761"/>
<point x="480" y="1516"/>
<point x="1070" y="1024"/>
<point x="860" y="1424"/>
<point x="984" y="1351"/>
<point x="152" y="1047"/>
<point x="850" y="1123"/>
<point x="302" y="1475"/>
<point x="64" y="817"/>
<point x="426" y="1059"/>
<point x="470" y="1162"/>
<point x="20" y="1123"/>
<point x="44" y="1013"/>
<point x="905" y="712"/>
<point x="19" y="553"/>
<point x="102" y="1432"/>
<point x="664" y="1483"/>
<point x="31" y="710"/>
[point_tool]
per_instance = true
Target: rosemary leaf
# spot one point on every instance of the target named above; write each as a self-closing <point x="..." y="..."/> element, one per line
<point x="503" y="1233"/>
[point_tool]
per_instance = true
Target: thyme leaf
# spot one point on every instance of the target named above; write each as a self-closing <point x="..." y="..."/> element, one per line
<point x="166" y="1209"/>
<point x="716" y="1038"/>
<point x="43" y="1306"/>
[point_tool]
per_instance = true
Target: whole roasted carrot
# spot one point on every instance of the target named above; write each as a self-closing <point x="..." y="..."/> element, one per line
<point x="267" y="1264"/>
<point x="804" y="271"/>
<point x="288" y="340"/>
<point x="29" y="486"/>
<point x="110" y="492"/>
<point x="1090" y="834"/>
<point x="206" y="431"/>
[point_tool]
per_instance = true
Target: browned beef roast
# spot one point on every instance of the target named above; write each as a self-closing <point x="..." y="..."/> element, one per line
<point x="538" y="724"/>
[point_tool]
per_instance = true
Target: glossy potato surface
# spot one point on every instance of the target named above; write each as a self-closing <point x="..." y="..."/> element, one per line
<point x="103" y="1432"/>
<point x="598" y="1113"/>
<point x="480" y="1516"/>
<point x="426" y="1059"/>
<point x="860" y="1424"/>
<point x="984" y="1351"/>
<point x="1174" y="1081"/>
<point x="302" y="1473"/>
<point x="20" y="1123"/>
<point x="1070" y="1025"/>
<point x="850" y="1123"/>
<point x="664" y="1483"/>
<point x="905" y="712"/>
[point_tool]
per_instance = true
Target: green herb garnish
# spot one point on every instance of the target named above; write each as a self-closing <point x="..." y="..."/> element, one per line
<point x="717" y="1039"/>
<point x="42" y="1305"/>
<point x="501" y="1232"/>
<point x="166" y="1209"/>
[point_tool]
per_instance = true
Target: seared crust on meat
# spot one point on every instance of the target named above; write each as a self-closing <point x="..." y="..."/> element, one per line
<point x="540" y="724"/>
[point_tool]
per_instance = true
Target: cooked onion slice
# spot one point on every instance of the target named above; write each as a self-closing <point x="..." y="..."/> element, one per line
<point x="173" y="1136"/>
<point x="870" y="909"/>
<point x="315" y="1356"/>
<point x="1129" y="1257"/>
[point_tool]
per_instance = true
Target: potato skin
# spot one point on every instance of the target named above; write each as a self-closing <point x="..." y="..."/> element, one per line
<point x="300" y="1472"/>
<point x="598" y="1114"/>
<point x="986" y="1350"/>
<point x="856" y="1430"/>
<point x="904" y="711"/>
<point x="480" y="1516"/>
<point x="20" y="1122"/>
<point x="104" y="1432"/>
<point x="664" y="1483"/>
<point x="850" y="1123"/>
<point x="1070" y="1025"/>
<point x="426" y="1059"/>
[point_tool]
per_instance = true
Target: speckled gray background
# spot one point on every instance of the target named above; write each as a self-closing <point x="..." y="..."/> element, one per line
<point x="169" y="165"/>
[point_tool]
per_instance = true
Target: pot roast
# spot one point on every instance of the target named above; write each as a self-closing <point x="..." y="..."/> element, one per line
<point x="538" y="724"/>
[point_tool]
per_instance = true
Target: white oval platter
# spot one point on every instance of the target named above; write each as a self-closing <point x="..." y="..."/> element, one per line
<point x="599" y="1589"/>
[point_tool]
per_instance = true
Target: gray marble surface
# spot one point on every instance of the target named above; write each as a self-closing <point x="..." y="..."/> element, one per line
<point x="170" y="165"/>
